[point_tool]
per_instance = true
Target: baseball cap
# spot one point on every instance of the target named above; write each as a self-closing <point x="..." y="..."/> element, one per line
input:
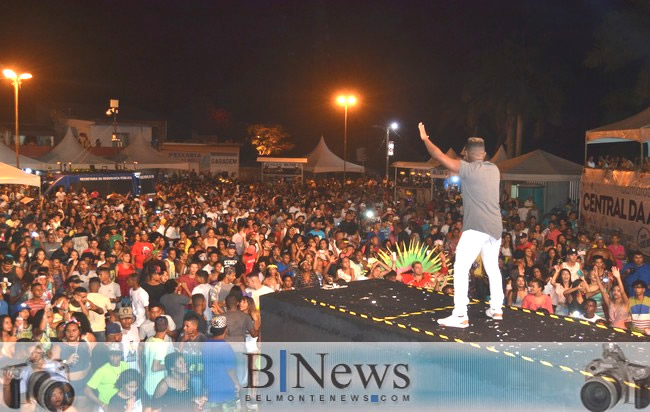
<point x="115" y="347"/>
<point x="572" y="251"/>
<point x="232" y="245"/>
<point x="113" y="328"/>
<point x="73" y="279"/>
<point x="126" y="312"/>
<point x="23" y="306"/>
<point x="218" y="322"/>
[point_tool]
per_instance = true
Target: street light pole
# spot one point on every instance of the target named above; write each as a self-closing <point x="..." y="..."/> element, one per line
<point x="387" y="150"/>
<point x="393" y="126"/>
<point x="17" y="137"/>
<point x="345" y="143"/>
<point x="16" y="80"/>
<point x="345" y="101"/>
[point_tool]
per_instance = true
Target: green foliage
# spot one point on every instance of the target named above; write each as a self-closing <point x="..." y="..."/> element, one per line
<point x="269" y="139"/>
<point x="415" y="252"/>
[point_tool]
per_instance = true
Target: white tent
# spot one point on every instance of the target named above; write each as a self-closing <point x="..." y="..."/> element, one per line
<point x="635" y="128"/>
<point x="500" y="155"/>
<point x="539" y="166"/>
<point x="10" y="175"/>
<point x="69" y="150"/>
<point x="452" y="153"/>
<point x="429" y="164"/>
<point x="140" y="153"/>
<point x="8" y="156"/>
<point x="322" y="160"/>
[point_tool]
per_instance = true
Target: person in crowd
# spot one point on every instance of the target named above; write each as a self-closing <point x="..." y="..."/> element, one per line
<point x="222" y="384"/>
<point x="618" y="309"/>
<point x="101" y="385"/>
<point x="617" y="250"/>
<point x="129" y="396"/>
<point x="536" y="299"/>
<point x="590" y="314"/>
<point x="147" y="330"/>
<point x="635" y="270"/>
<point x="155" y="351"/>
<point x="561" y="281"/>
<point x="139" y="299"/>
<point x="173" y="391"/>
<point x="174" y="301"/>
<point x="639" y="305"/>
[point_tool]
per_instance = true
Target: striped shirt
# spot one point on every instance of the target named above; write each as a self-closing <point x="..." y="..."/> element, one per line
<point x="640" y="312"/>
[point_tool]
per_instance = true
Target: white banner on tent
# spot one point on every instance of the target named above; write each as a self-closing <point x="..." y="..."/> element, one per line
<point x="617" y="202"/>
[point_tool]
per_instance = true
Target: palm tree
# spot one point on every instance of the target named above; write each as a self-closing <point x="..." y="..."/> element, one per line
<point x="622" y="51"/>
<point x="512" y="92"/>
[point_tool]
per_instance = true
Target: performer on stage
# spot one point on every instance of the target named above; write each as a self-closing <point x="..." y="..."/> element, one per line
<point x="482" y="226"/>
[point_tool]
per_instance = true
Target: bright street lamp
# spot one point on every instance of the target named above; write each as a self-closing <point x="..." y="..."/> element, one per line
<point x="345" y="101"/>
<point x="16" y="80"/>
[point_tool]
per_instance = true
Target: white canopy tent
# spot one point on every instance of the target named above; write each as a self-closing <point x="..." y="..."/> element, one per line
<point x="141" y="155"/>
<point x="633" y="129"/>
<point x="549" y="179"/>
<point x="8" y="156"/>
<point x="69" y="150"/>
<point x="500" y="156"/>
<point x="323" y="160"/>
<point x="429" y="164"/>
<point x="10" y="175"/>
<point x="540" y="166"/>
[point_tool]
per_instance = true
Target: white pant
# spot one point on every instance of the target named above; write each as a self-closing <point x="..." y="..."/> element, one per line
<point x="471" y="243"/>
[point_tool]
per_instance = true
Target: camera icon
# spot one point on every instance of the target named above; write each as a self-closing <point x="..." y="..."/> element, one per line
<point x="614" y="378"/>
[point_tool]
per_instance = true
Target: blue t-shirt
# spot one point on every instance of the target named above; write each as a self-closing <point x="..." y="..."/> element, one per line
<point x="218" y="358"/>
<point x="318" y="233"/>
<point x="4" y="308"/>
<point x="635" y="273"/>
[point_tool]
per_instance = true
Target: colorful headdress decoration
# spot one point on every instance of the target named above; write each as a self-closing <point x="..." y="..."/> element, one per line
<point x="414" y="252"/>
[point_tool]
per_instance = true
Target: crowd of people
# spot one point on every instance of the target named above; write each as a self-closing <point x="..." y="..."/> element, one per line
<point x="89" y="277"/>
<point x="612" y="162"/>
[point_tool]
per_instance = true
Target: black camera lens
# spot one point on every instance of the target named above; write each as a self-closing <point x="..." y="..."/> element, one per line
<point x="599" y="395"/>
<point x="50" y="390"/>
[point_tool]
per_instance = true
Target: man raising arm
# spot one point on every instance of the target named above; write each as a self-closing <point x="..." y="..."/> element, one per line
<point x="482" y="226"/>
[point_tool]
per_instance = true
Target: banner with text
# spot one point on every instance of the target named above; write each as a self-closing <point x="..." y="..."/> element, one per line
<point x="614" y="201"/>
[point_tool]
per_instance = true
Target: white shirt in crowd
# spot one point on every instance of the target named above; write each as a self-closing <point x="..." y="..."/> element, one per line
<point x="139" y="302"/>
<point x="204" y="289"/>
<point x="256" y="293"/>
<point x="111" y="291"/>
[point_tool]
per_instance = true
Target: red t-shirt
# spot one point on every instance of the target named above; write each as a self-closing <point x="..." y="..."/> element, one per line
<point x="190" y="282"/>
<point x="529" y="302"/>
<point x="249" y="262"/>
<point x="524" y="246"/>
<point x="553" y="234"/>
<point x="140" y="251"/>
<point x="409" y="279"/>
<point x="123" y="277"/>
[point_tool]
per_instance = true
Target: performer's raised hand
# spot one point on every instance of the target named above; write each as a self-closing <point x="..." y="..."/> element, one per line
<point x="423" y="132"/>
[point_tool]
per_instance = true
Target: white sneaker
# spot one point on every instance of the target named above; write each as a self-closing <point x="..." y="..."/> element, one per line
<point x="454" y="321"/>
<point x="494" y="314"/>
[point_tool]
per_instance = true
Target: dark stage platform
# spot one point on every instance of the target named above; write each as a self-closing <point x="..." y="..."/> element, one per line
<point x="382" y="311"/>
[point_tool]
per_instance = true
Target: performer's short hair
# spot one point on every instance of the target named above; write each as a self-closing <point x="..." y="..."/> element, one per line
<point x="475" y="143"/>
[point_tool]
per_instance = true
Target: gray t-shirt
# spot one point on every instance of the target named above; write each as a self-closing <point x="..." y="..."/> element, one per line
<point x="237" y="324"/>
<point x="175" y="306"/>
<point x="480" y="190"/>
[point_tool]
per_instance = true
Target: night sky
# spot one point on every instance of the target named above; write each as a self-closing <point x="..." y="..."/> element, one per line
<point x="214" y="67"/>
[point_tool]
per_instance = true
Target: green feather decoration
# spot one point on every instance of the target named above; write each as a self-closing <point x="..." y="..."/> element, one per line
<point x="414" y="252"/>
